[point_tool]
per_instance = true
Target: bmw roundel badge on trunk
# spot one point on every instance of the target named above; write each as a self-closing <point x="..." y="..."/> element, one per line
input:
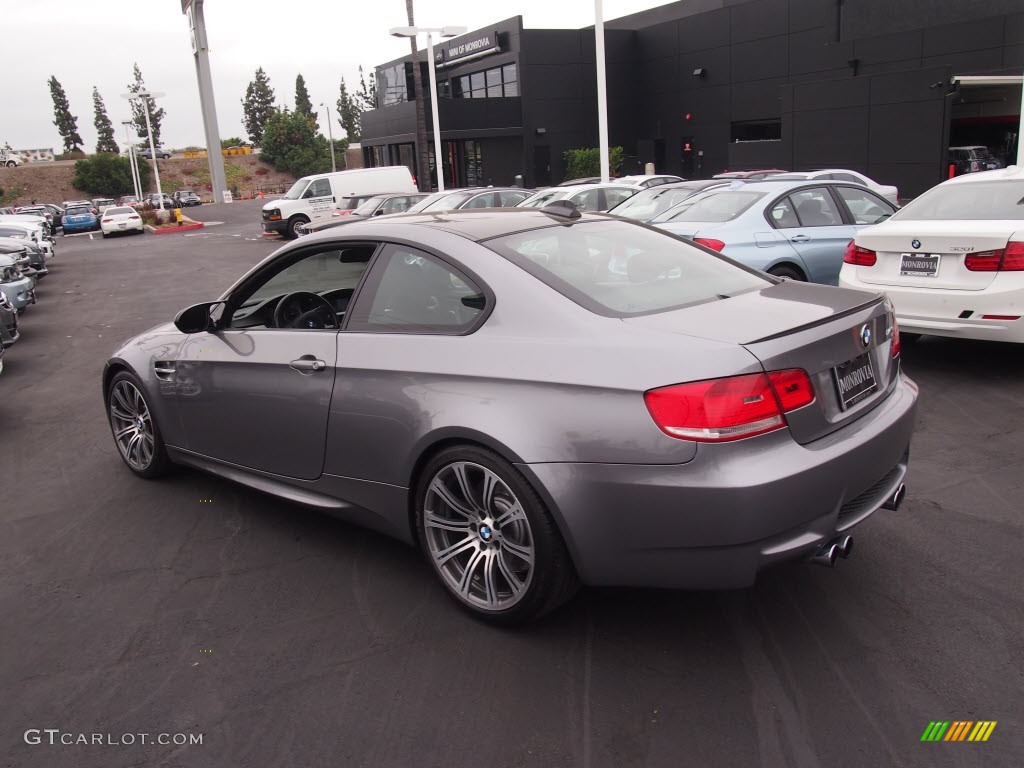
<point x="915" y="243"/>
<point x="865" y="335"/>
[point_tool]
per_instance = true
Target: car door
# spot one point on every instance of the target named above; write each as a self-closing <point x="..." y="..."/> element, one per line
<point x="320" y="198"/>
<point x="256" y="391"/>
<point x="820" y="235"/>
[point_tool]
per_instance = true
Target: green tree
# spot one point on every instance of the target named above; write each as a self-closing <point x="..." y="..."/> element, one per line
<point x="292" y="143"/>
<point x="104" y="130"/>
<point x="350" y="113"/>
<point x="156" y="114"/>
<point x="67" y="124"/>
<point x="303" y="104"/>
<point x="106" y="174"/>
<point x="367" y="95"/>
<point x="258" y="105"/>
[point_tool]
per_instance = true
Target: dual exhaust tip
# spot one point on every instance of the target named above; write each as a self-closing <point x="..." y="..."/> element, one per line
<point x="842" y="546"/>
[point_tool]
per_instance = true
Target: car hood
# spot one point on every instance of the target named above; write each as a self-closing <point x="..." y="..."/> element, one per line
<point x="778" y="309"/>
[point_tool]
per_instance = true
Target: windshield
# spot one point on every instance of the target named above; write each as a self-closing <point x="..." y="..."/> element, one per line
<point x="645" y="205"/>
<point x="713" y="206"/>
<point x="618" y="268"/>
<point x="541" y="199"/>
<point x="77" y="211"/>
<point x="297" y="189"/>
<point x="986" y="200"/>
<point x="369" y="206"/>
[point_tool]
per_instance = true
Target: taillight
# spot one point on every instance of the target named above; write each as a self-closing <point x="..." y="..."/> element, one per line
<point x="107" y="221"/>
<point x="974" y="165"/>
<point x="894" y="333"/>
<point x="1009" y="259"/>
<point x="710" y="242"/>
<point x="720" y="410"/>
<point x="862" y="257"/>
<point x="133" y="217"/>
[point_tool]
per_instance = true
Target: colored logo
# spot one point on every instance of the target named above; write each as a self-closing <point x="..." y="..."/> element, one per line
<point x="915" y="243"/>
<point x="958" y="730"/>
<point x="865" y="335"/>
<point x="485" y="533"/>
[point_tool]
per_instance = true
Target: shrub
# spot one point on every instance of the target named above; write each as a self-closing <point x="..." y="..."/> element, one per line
<point x="581" y="163"/>
<point x="74" y="155"/>
<point x="107" y="174"/>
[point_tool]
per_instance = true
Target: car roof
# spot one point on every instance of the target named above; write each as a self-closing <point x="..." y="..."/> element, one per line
<point x="1012" y="173"/>
<point x="474" y="224"/>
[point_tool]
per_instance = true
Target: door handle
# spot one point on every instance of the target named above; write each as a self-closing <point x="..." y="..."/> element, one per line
<point x="800" y="239"/>
<point x="307" y="363"/>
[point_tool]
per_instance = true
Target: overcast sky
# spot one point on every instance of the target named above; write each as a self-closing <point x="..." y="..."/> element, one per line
<point x="85" y="43"/>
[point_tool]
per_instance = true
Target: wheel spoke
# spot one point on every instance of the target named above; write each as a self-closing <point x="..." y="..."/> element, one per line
<point x="466" y="582"/>
<point x="458" y="547"/>
<point x="119" y="414"/>
<point x="523" y="553"/>
<point x="433" y="520"/>
<point x="490" y="587"/>
<point x="448" y="498"/>
<point x="123" y="401"/>
<point x="512" y="513"/>
<point x="123" y="431"/>
<point x="459" y="470"/>
<point x="129" y="449"/>
<point x="491" y="482"/>
<point x="513" y="581"/>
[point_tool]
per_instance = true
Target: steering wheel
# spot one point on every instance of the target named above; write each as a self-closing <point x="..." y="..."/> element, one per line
<point x="304" y="309"/>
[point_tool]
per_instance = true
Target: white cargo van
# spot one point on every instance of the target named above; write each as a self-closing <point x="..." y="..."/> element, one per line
<point x="312" y="198"/>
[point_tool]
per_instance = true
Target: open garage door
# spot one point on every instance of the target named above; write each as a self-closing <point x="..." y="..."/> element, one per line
<point x="986" y="112"/>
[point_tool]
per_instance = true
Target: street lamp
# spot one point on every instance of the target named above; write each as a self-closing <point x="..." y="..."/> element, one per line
<point x="330" y="137"/>
<point x="443" y="32"/>
<point x="145" y="96"/>
<point x="602" y="91"/>
<point x="131" y="160"/>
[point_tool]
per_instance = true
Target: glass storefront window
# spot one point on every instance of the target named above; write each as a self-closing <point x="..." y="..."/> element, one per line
<point x="479" y="86"/>
<point x="394" y="85"/>
<point x="493" y="83"/>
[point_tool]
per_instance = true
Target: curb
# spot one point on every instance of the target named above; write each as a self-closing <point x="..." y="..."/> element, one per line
<point x="172" y="230"/>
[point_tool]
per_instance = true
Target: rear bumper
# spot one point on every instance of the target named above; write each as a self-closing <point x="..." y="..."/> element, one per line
<point x="937" y="311"/>
<point x="715" y="522"/>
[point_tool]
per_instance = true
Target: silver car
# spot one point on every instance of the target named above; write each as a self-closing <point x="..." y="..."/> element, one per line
<point x="536" y="399"/>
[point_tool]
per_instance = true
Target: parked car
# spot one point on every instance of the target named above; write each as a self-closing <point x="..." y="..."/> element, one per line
<point x="17" y="287"/>
<point x="185" y="198"/>
<point x="758" y="175"/>
<point x="26" y="228"/>
<point x="378" y="205"/>
<point x="887" y="191"/>
<point x="129" y="200"/>
<point x="154" y="200"/>
<point x="29" y="256"/>
<point x="102" y="203"/>
<point x="58" y="214"/>
<point x="648" y="181"/>
<point x="693" y="392"/>
<point x="649" y="203"/>
<point x="147" y="153"/>
<point x="795" y="229"/>
<point x="9" y="333"/>
<point x="118" y="219"/>
<point x="473" y="197"/>
<point x="80" y="218"/>
<point x="586" y="197"/>
<point x="952" y="260"/>
<point x="973" y="159"/>
<point x="77" y="203"/>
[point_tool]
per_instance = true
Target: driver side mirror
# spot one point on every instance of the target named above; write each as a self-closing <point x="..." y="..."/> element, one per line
<point x="196" y="319"/>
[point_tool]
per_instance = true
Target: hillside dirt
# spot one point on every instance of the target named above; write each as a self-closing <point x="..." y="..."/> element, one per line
<point x="45" y="182"/>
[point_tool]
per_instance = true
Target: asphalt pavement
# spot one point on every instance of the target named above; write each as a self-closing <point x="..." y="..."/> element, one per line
<point x="283" y="637"/>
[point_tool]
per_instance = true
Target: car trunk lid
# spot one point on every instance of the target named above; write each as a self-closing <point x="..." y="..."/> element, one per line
<point x="840" y="338"/>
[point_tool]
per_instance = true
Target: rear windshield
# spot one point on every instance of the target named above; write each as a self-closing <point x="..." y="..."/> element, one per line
<point x="541" y="199"/>
<point x="645" y="205"/>
<point x="119" y="211"/>
<point x="713" y="205"/>
<point x="987" y="200"/>
<point x="448" y="202"/>
<point x="617" y="268"/>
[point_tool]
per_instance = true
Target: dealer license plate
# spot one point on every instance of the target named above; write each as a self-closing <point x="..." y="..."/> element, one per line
<point x="919" y="264"/>
<point x="855" y="380"/>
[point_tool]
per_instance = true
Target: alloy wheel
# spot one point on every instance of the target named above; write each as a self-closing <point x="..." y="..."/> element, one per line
<point x="132" y="425"/>
<point x="478" y="536"/>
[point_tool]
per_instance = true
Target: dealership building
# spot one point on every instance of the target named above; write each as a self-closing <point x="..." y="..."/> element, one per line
<point x="701" y="86"/>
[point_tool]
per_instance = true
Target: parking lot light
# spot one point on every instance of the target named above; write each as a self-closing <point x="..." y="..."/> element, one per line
<point x="136" y="183"/>
<point x="145" y="96"/>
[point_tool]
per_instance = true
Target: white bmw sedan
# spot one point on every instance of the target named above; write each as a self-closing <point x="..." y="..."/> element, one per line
<point x="120" y="219"/>
<point x="952" y="261"/>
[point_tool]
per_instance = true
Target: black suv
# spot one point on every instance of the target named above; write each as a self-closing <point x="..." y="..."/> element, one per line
<point x="972" y="159"/>
<point x="186" y="197"/>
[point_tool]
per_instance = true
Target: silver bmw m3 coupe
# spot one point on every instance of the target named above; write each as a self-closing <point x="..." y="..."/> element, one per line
<point x="536" y="399"/>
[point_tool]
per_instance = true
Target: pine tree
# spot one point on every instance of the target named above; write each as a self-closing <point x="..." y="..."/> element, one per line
<point x="303" y="104"/>
<point x="350" y="113"/>
<point x="367" y="95"/>
<point x="104" y="130"/>
<point x="258" y="105"/>
<point x="156" y="114"/>
<point x="67" y="124"/>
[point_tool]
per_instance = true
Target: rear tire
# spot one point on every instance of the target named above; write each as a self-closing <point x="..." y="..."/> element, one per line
<point x="489" y="539"/>
<point x="787" y="272"/>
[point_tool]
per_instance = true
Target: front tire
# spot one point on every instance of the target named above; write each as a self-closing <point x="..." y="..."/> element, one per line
<point x="11" y="164"/>
<point x="489" y="538"/>
<point x="134" y="428"/>
<point x="293" y="226"/>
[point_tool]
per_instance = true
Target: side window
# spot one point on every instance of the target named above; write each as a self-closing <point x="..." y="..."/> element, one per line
<point x="782" y="214"/>
<point x="815" y="208"/>
<point x="509" y="199"/>
<point x="412" y="292"/>
<point x="324" y="281"/>
<point x="481" y="201"/>
<point x="615" y="196"/>
<point x="587" y="201"/>
<point x="319" y="188"/>
<point x="866" y="207"/>
<point x="394" y="205"/>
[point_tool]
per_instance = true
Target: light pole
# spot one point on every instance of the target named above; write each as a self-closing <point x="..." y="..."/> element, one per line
<point x="145" y="96"/>
<point x="330" y="137"/>
<point x="602" y="91"/>
<point x="131" y="160"/>
<point x="443" y="32"/>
